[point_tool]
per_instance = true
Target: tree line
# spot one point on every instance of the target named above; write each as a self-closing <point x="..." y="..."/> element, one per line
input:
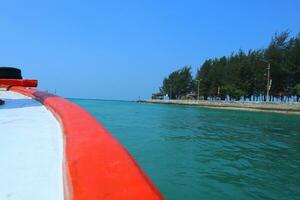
<point x="243" y="73"/>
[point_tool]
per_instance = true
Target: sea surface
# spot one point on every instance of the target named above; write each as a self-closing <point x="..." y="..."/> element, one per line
<point x="194" y="153"/>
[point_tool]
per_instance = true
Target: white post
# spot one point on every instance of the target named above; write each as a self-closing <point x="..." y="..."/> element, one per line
<point x="268" y="83"/>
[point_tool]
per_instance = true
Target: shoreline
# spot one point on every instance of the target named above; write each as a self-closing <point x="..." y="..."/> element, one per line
<point x="286" y="108"/>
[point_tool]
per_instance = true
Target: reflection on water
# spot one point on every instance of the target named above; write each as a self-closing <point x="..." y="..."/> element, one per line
<point x="201" y="153"/>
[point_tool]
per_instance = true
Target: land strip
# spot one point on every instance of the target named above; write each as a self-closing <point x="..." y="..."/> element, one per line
<point x="291" y="108"/>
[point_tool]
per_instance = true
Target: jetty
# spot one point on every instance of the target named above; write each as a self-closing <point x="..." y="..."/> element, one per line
<point x="291" y="108"/>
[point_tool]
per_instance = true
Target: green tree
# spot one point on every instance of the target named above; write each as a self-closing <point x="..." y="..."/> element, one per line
<point x="246" y="73"/>
<point x="297" y="89"/>
<point x="178" y="83"/>
<point x="232" y="91"/>
<point x="243" y="73"/>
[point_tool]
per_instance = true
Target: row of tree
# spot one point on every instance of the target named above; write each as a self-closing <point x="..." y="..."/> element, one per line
<point x="243" y="73"/>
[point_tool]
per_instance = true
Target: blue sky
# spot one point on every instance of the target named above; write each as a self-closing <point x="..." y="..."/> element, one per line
<point x="124" y="49"/>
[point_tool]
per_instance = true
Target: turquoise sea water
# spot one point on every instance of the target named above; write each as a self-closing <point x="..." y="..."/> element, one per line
<point x="201" y="153"/>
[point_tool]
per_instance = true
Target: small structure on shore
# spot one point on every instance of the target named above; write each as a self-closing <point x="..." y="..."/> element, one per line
<point x="190" y="96"/>
<point x="158" y="96"/>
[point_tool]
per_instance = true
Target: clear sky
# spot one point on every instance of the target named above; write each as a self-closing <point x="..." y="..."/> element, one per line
<point x="123" y="49"/>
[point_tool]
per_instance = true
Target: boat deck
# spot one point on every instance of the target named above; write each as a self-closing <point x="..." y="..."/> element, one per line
<point x="31" y="150"/>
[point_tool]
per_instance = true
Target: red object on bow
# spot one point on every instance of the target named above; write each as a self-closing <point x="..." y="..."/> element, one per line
<point x="19" y="82"/>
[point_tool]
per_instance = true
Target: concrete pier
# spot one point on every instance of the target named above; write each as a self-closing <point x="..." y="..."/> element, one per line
<point x="293" y="108"/>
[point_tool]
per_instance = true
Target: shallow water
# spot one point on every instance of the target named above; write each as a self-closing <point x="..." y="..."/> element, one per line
<point x="202" y="153"/>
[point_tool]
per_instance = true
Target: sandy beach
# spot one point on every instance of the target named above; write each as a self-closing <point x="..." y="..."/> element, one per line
<point x="290" y="108"/>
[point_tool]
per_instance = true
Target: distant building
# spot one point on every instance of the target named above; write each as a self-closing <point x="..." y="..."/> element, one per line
<point x="190" y="96"/>
<point x="158" y="96"/>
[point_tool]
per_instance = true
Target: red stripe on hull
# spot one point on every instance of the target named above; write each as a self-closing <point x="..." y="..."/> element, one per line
<point x="19" y="82"/>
